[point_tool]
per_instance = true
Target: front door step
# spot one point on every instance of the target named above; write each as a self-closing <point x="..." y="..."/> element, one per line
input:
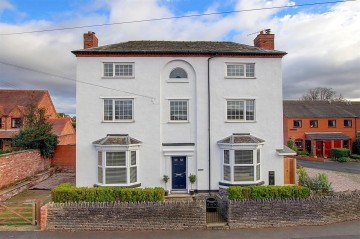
<point x="217" y="226"/>
<point x="179" y="197"/>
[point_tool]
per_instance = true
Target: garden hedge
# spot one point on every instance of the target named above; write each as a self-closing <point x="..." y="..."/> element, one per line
<point x="339" y="153"/>
<point x="67" y="193"/>
<point x="267" y="192"/>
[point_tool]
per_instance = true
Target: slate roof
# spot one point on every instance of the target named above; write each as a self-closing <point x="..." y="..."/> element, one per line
<point x="241" y="139"/>
<point x="321" y="109"/>
<point x="326" y="136"/>
<point x="117" y="139"/>
<point x="9" y="99"/>
<point x="178" y="47"/>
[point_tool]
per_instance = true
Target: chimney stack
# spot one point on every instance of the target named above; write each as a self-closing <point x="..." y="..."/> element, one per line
<point x="90" y="40"/>
<point x="265" y="40"/>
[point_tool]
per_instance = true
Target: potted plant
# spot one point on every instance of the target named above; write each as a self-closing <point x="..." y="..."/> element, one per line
<point x="192" y="179"/>
<point x="166" y="179"/>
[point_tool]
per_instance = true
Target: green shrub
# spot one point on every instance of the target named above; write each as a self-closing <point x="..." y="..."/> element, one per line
<point x="356" y="146"/>
<point x="339" y="152"/>
<point x="355" y="156"/>
<point x="267" y="192"/>
<point x="291" y="144"/>
<point x="318" y="184"/>
<point x="343" y="159"/>
<point x="6" y="151"/>
<point x="67" y="193"/>
<point x="303" y="152"/>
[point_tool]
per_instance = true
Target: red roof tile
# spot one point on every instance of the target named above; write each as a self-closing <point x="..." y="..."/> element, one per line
<point x="9" y="99"/>
<point x="59" y="125"/>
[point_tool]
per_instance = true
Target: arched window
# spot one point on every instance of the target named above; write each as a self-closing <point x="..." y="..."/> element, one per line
<point x="178" y="73"/>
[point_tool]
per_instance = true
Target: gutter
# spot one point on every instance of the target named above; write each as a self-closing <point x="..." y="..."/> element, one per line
<point x="209" y="118"/>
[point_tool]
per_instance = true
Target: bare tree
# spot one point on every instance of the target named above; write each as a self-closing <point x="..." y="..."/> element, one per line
<point x="322" y="94"/>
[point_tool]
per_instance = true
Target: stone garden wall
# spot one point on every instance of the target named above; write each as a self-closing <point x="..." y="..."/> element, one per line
<point x="124" y="216"/>
<point x="292" y="212"/>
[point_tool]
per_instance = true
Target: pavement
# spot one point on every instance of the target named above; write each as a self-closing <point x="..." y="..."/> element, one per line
<point x="53" y="181"/>
<point x="345" y="230"/>
<point x="350" y="167"/>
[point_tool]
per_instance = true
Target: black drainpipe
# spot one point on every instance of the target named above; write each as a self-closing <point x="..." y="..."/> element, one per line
<point x="209" y="125"/>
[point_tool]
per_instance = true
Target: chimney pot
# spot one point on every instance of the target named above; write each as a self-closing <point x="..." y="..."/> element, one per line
<point x="265" y="40"/>
<point x="90" y="40"/>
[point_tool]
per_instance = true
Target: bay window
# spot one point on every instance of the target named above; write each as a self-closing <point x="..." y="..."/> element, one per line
<point x="118" y="161"/>
<point x="117" y="167"/>
<point x="241" y="160"/>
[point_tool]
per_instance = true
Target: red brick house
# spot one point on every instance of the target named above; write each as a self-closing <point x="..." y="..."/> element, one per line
<point x="12" y="109"/>
<point x="318" y="126"/>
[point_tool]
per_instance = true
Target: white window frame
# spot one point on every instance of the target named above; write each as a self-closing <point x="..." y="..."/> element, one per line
<point x="244" y="74"/>
<point x="113" y="75"/>
<point x="246" y="103"/>
<point x="16" y="122"/>
<point x="347" y="123"/>
<point x="128" y="166"/>
<point x="256" y="163"/>
<point x="114" y="110"/>
<point x="187" y="110"/>
<point x="226" y="164"/>
<point x="297" y="123"/>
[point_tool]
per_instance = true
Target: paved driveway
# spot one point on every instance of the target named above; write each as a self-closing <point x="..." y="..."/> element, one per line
<point x="350" y="167"/>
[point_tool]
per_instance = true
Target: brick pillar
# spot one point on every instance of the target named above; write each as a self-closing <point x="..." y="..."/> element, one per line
<point x="43" y="217"/>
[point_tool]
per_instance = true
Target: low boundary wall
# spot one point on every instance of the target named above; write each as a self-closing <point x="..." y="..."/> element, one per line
<point x="17" y="166"/>
<point x="124" y="216"/>
<point x="294" y="212"/>
<point x="339" y="207"/>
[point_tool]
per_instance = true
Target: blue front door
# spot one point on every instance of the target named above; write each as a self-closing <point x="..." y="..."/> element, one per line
<point x="178" y="173"/>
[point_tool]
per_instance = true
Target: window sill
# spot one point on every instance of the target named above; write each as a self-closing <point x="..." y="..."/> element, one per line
<point x="134" y="185"/>
<point x="240" y="121"/>
<point x="118" y="121"/>
<point x="178" y="80"/>
<point x="228" y="184"/>
<point x="179" y="122"/>
<point x="238" y="77"/>
<point x="117" y="77"/>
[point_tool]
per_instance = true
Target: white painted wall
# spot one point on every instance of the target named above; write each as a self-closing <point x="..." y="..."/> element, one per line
<point x="152" y="126"/>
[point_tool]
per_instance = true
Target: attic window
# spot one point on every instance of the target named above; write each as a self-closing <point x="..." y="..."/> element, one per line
<point x="178" y="73"/>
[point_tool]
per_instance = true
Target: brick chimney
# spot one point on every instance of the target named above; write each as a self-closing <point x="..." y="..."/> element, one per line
<point x="90" y="40"/>
<point x="265" y="40"/>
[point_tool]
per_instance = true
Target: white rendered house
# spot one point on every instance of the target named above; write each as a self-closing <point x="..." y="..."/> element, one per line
<point x="213" y="109"/>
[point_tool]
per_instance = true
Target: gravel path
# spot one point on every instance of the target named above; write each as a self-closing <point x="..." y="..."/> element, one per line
<point x="339" y="181"/>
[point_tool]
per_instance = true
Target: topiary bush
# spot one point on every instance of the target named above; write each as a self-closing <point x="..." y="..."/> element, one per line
<point x="339" y="152"/>
<point x="67" y="193"/>
<point x="267" y="192"/>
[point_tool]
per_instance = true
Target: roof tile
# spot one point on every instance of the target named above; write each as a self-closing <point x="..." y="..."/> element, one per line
<point x="178" y="47"/>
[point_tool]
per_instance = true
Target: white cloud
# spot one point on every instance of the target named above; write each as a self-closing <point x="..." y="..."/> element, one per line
<point x="322" y="47"/>
<point x="5" y="5"/>
<point x="322" y="50"/>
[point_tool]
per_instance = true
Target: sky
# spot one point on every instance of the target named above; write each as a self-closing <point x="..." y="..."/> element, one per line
<point x="322" y="41"/>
